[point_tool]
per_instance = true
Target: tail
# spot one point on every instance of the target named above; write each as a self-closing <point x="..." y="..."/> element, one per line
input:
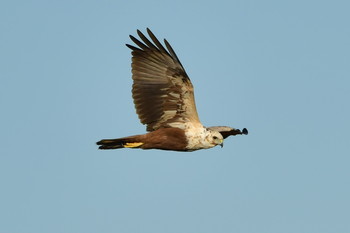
<point x="129" y="142"/>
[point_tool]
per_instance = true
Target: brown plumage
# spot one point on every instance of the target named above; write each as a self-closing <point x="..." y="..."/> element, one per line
<point x="164" y="100"/>
<point x="162" y="91"/>
<point x="164" y="139"/>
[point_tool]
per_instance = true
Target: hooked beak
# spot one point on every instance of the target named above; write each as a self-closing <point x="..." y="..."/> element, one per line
<point x="222" y="143"/>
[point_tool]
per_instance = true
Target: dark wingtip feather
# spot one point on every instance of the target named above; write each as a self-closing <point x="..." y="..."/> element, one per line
<point x="133" y="47"/>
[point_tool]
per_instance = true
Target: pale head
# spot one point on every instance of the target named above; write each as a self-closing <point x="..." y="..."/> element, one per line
<point x="214" y="138"/>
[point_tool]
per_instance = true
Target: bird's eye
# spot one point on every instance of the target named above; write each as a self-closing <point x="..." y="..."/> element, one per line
<point x="215" y="137"/>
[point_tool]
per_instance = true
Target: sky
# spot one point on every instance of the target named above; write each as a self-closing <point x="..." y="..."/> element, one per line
<point x="279" y="68"/>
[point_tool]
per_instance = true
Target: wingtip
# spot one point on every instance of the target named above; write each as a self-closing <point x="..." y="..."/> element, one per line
<point x="150" y="33"/>
<point x="129" y="46"/>
<point x="245" y="131"/>
<point x="139" y="33"/>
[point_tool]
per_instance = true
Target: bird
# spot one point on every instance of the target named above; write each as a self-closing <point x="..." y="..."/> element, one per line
<point x="164" y="100"/>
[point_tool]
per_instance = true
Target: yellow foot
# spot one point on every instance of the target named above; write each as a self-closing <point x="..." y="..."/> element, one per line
<point x="132" y="144"/>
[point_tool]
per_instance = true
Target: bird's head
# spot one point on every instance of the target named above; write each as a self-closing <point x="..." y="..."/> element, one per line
<point x="215" y="138"/>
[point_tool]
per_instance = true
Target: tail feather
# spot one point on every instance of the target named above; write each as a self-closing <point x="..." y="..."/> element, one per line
<point x="107" y="144"/>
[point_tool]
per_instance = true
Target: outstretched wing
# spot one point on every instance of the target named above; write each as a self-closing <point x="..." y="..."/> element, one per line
<point x="162" y="91"/>
<point x="228" y="131"/>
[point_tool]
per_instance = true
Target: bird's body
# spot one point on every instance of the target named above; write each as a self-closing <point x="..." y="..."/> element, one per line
<point x="168" y="139"/>
<point x="164" y="99"/>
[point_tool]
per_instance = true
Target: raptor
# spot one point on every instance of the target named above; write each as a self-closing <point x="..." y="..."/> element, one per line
<point x="164" y="100"/>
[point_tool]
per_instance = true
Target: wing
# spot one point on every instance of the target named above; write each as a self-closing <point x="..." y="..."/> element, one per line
<point x="162" y="91"/>
<point x="228" y="131"/>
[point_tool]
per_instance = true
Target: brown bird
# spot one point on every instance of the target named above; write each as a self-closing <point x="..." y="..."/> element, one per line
<point x="164" y="101"/>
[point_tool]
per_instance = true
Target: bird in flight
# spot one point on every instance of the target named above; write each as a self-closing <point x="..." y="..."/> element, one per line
<point x="164" y="101"/>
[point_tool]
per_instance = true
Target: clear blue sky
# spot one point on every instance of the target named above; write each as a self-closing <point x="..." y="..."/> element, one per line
<point x="279" y="68"/>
